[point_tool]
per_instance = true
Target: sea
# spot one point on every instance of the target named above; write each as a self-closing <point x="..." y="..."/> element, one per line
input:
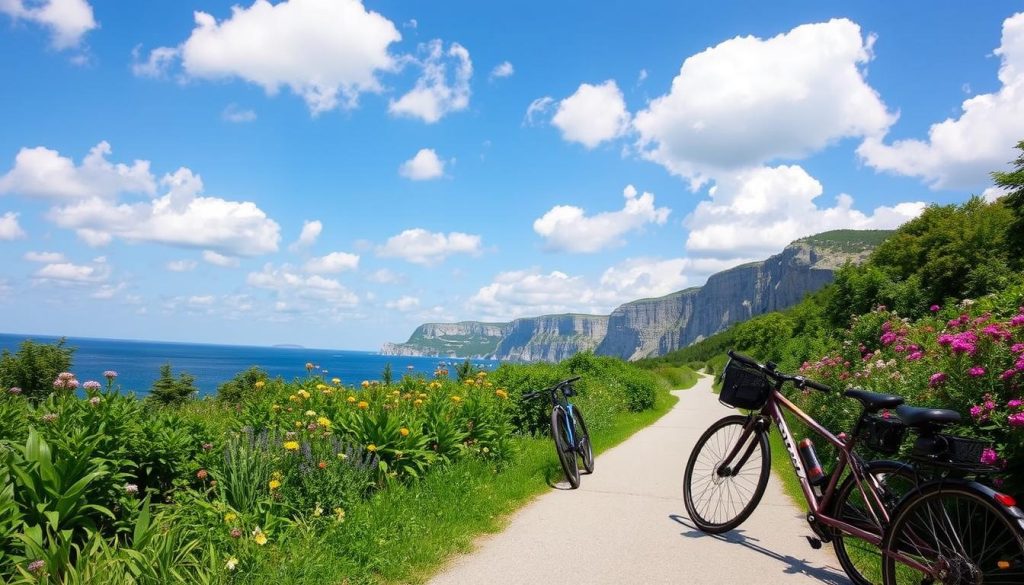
<point x="137" y="363"/>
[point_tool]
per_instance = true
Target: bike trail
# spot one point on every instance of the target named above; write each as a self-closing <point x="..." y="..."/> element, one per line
<point x="627" y="523"/>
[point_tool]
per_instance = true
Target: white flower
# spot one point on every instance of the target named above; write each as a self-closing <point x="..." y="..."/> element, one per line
<point x="231" y="564"/>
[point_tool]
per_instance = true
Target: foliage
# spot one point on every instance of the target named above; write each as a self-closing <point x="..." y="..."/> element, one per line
<point x="34" y="367"/>
<point x="387" y="376"/>
<point x="1013" y="183"/>
<point x="237" y="389"/>
<point x="848" y="241"/>
<point x="168" y="390"/>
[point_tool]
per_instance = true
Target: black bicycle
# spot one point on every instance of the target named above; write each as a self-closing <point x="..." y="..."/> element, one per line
<point x="569" y="430"/>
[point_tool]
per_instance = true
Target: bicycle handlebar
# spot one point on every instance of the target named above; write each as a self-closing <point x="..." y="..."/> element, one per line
<point x="552" y="389"/>
<point x="769" y="370"/>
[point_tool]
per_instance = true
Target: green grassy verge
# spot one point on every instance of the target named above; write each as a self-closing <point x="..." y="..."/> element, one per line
<point x="405" y="534"/>
<point x="675" y="377"/>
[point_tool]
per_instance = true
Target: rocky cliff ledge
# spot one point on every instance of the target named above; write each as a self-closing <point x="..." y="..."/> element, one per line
<point x="551" y="338"/>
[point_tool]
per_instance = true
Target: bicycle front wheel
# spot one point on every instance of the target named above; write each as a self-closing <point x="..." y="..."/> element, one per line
<point x="958" y="533"/>
<point x="565" y="445"/>
<point x="720" y="497"/>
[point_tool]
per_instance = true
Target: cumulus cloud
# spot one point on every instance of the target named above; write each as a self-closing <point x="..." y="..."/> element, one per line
<point x="592" y="115"/>
<point x="332" y="263"/>
<point x="43" y="173"/>
<point x="289" y="283"/>
<point x="156" y="65"/>
<point x="537" y="108"/>
<point x="67" y="20"/>
<point x="182" y="265"/>
<point x="433" y="96"/>
<point x="311" y="230"/>
<point x="108" y="291"/>
<point x="10" y="229"/>
<point x="211" y="257"/>
<point x="756" y="212"/>
<point x="45" y="257"/>
<point x="747" y="101"/>
<point x="69" y="273"/>
<point x="960" y="152"/>
<point x="238" y="115"/>
<point x="420" y="246"/>
<point x="567" y="228"/>
<point x="328" y="52"/>
<point x="403" y="304"/>
<point x="521" y="293"/>
<point x="384" y="276"/>
<point x="502" y="70"/>
<point x="424" y="166"/>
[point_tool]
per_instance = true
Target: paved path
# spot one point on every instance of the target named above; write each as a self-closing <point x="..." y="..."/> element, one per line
<point x="627" y="524"/>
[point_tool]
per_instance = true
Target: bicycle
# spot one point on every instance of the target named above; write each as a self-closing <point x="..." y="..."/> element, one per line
<point x="887" y="506"/>
<point x="568" y="430"/>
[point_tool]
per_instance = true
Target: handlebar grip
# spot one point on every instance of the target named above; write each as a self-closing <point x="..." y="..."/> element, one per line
<point x="530" y="395"/>
<point x="815" y="385"/>
<point x="573" y="379"/>
<point x="744" y="359"/>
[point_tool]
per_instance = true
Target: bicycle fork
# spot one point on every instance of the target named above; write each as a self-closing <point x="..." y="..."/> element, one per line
<point x="751" y="431"/>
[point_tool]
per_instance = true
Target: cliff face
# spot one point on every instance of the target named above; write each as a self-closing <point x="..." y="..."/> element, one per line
<point x="463" y="339"/>
<point x="551" y="338"/>
<point x="651" y="327"/>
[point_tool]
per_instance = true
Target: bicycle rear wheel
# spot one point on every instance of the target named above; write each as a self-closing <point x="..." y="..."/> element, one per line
<point x="718" y="499"/>
<point x="959" y="533"/>
<point x="583" y="440"/>
<point x="565" y="446"/>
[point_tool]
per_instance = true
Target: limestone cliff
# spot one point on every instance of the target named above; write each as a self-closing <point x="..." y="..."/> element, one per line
<point x="551" y="338"/>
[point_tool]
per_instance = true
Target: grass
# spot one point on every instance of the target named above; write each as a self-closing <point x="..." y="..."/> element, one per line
<point x="676" y="378"/>
<point x="406" y="533"/>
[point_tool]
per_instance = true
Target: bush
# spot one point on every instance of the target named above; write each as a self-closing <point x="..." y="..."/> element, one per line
<point x="34" y="367"/>
<point x="168" y="390"/>
<point x="242" y="386"/>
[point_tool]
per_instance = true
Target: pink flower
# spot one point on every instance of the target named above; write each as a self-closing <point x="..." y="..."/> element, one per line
<point x="1017" y="348"/>
<point x="936" y="379"/>
<point x="1017" y="320"/>
<point x="990" y="405"/>
<point x="1015" y="403"/>
<point x="1016" y="419"/>
<point x="888" y="338"/>
<point x="915" y="356"/>
<point x="934" y="308"/>
<point x="1007" y="374"/>
<point x="978" y="412"/>
<point x="131" y="489"/>
<point x="91" y="385"/>
<point x="886" y="327"/>
<point x="989" y="456"/>
<point x="95" y="401"/>
<point x="110" y="374"/>
<point x="945" y="339"/>
<point x="36" y="566"/>
<point x="236" y="533"/>
<point x="14" y="390"/>
<point x="49" y="417"/>
<point x="976" y="371"/>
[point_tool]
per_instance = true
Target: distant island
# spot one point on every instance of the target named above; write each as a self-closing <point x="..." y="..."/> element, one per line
<point x="287" y="346"/>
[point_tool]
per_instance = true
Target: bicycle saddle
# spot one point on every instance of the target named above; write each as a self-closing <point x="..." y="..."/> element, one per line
<point x="922" y="417"/>
<point x="873" y="401"/>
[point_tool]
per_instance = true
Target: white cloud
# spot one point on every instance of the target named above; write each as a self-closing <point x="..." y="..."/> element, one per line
<point x="638" y="278"/>
<point x="384" y="276"/>
<point x="502" y="70"/>
<point x="157" y="64"/>
<point x="419" y="246"/>
<point x="756" y="212"/>
<point x="332" y="263"/>
<point x="326" y="51"/>
<point x="567" y="228"/>
<point x="67" y="20"/>
<point x="235" y="114"/>
<point x="182" y="265"/>
<point x="411" y="23"/>
<point x="45" y="257"/>
<point x="433" y="97"/>
<point x="522" y="293"/>
<point x="94" y="238"/>
<point x="422" y="167"/>
<point x="221" y="260"/>
<point x="748" y="101"/>
<point x="108" y="291"/>
<point x="592" y="115"/>
<point x="992" y="193"/>
<point x="288" y="283"/>
<point x="201" y="300"/>
<point x="73" y="273"/>
<point x="9" y="227"/>
<point x="404" y="304"/>
<point x="43" y="173"/>
<point x="959" y="153"/>
<point x="311" y="230"/>
<point x="536" y="109"/>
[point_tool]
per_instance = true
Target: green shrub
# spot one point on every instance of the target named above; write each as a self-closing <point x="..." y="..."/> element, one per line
<point x="34" y="367"/>
<point x="168" y="390"/>
<point x="242" y="386"/>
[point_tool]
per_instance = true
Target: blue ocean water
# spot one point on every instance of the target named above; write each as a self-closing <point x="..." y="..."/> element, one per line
<point x="137" y="363"/>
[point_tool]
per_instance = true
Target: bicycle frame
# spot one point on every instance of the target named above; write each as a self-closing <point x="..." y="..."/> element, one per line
<point x="773" y="411"/>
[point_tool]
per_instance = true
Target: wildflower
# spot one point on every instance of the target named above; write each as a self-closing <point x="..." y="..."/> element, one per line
<point x="456" y="398"/>
<point x="350" y="399"/>
<point x="318" y="511"/>
<point x="230" y="517"/>
<point x="501" y="393"/>
<point x="336" y="381"/>
<point x="371" y="448"/>
<point x="303" y="394"/>
<point x="207" y="446"/>
<point x="365" y="384"/>
<point x="1015" y="403"/>
<point x="989" y="456"/>
<point x="936" y="379"/>
<point x="258" y="536"/>
<point x="339" y="515"/>
<point x="310" y="413"/>
<point x="915" y="356"/>
<point x="888" y="338"/>
<point x="324" y="422"/>
<point x="49" y="417"/>
<point x="131" y="489"/>
<point x="36" y="566"/>
<point x="322" y="464"/>
<point x="1007" y="374"/>
<point x="231" y="564"/>
<point x="978" y="412"/>
<point x="275" y="407"/>
<point x="1016" y="419"/>
<point x="202" y="474"/>
<point x="291" y="445"/>
<point x="403" y="431"/>
<point x="95" y="400"/>
<point x="236" y="532"/>
<point x="1017" y="348"/>
<point x="990" y="405"/>
<point x="976" y="371"/>
<point x="417" y="402"/>
<point x="259" y="384"/>
<point x="321" y="386"/>
<point x="342" y="456"/>
<point x="110" y="375"/>
<point x="91" y="385"/>
<point x="273" y="484"/>
<point x="14" y="390"/>
<point x="363" y="405"/>
<point x="934" y="308"/>
<point x="298" y="424"/>
<point x="309" y="366"/>
<point x="1017" y="320"/>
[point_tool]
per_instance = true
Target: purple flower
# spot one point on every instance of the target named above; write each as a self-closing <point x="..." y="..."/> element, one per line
<point x="1007" y="374"/>
<point x="976" y="371"/>
<point x="1016" y="419"/>
<point x="915" y="356"/>
<point x="36" y="566"/>
<point x="888" y="338"/>
<point x="14" y="390"/>
<point x="110" y="374"/>
<point x="945" y="339"/>
<point x="989" y="456"/>
<point x="91" y="385"/>
<point x="131" y="489"/>
<point x="936" y="379"/>
<point x="934" y="308"/>
<point x="1017" y="320"/>
<point x="978" y="412"/>
<point x="990" y="405"/>
<point x="1017" y="348"/>
<point x="1015" y="403"/>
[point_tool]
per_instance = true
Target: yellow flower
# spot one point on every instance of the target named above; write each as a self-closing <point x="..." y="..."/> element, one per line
<point x="363" y="404"/>
<point x="342" y="456"/>
<point x="351" y="399"/>
<point x="339" y="514"/>
<point x="231" y="564"/>
<point x="456" y="399"/>
<point x="501" y="393"/>
<point x="318" y="511"/>
<point x="291" y="445"/>
<point x="371" y="448"/>
<point x="417" y="402"/>
<point x="327" y="392"/>
<point x="335" y="381"/>
<point x="421" y="396"/>
<point x="274" y="484"/>
<point x="230" y="517"/>
<point x="259" y="537"/>
<point x="321" y="386"/>
<point x="324" y="421"/>
<point x="276" y="475"/>
<point x="366" y="384"/>
<point x="293" y="398"/>
<point x="403" y="431"/>
<point x="298" y="424"/>
<point x="310" y="413"/>
<point x="395" y="392"/>
<point x="259" y="384"/>
<point x="303" y="393"/>
<point x="275" y="407"/>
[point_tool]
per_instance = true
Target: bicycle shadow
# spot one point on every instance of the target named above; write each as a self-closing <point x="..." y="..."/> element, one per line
<point x="555" y="479"/>
<point x="794" y="565"/>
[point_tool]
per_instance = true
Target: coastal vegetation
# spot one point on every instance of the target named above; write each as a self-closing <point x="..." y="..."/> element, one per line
<point x="304" y="481"/>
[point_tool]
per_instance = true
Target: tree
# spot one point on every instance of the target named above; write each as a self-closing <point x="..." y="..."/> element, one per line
<point x="243" y="385"/>
<point x="386" y="376"/>
<point x="34" y="367"/>
<point x="168" y="390"/>
<point x="465" y="370"/>
<point x="1013" y="182"/>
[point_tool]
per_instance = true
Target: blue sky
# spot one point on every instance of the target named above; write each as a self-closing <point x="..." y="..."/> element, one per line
<point x="333" y="173"/>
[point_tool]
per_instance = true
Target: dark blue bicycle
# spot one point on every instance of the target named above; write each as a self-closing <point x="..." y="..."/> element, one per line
<point x="569" y="430"/>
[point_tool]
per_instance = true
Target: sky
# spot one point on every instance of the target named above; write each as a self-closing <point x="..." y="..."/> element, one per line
<point x="332" y="173"/>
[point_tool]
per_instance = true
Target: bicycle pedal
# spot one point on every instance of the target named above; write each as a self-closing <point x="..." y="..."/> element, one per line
<point x="814" y="542"/>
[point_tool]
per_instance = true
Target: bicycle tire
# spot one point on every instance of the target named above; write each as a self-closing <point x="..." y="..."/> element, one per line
<point x="566" y="451"/>
<point x="710" y="479"/>
<point x="586" y="449"/>
<point x="957" y="555"/>
<point x="864" y="566"/>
